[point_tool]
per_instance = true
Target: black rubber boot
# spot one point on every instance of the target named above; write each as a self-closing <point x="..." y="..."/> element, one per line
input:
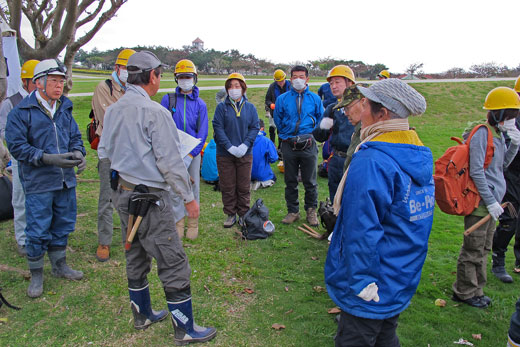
<point x="58" y="259"/>
<point x="499" y="269"/>
<point x="35" y="288"/>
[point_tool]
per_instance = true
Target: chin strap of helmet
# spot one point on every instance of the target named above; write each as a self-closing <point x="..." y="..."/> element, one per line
<point x="500" y="116"/>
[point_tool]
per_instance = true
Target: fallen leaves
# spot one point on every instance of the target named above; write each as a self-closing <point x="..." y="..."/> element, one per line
<point x="318" y="289"/>
<point x="334" y="310"/>
<point x="286" y="289"/>
<point x="477" y="336"/>
<point x="249" y="290"/>
<point x="440" y="302"/>
<point x="277" y="326"/>
<point x="463" y="342"/>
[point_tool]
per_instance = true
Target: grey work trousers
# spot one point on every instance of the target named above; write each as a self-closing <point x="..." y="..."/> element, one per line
<point x="471" y="265"/>
<point x="105" y="207"/>
<point x="306" y="162"/>
<point x="18" y="202"/>
<point x="155" y="238"/>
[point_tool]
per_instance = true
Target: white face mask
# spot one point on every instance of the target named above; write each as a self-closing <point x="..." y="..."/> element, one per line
<point x="186" y="84"/>
<point x="123" y="75"/>
<point x="235" y="94"/>
<point x="508" y="125"/>
<point x="298" y="83"/>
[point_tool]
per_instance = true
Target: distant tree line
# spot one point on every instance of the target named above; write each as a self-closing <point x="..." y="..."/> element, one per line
<point x="211" y="61"/>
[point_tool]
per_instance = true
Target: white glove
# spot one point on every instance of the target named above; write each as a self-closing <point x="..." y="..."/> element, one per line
<point x="326" y="123"/>
<point x="242" y="149"/>
<point x="495" y="210"/>
<point x="369" y="293"/>
<point x="514" y="135"/>
<point x="187" y="160"/>
<point x="233" y="150"/>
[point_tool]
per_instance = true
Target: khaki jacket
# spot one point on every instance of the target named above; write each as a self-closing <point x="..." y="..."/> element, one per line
<point x="102" y="99"/>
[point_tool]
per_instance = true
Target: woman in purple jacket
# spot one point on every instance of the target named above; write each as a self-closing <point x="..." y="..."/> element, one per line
<point x="190" y="115"/>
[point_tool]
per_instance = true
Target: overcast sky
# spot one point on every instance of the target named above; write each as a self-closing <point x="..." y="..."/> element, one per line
<point x="441" y="34"/>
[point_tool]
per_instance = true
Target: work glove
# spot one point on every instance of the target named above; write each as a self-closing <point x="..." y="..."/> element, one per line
<point x="187" y="160"/>
<point x="495" y="210"/>
<point x="233" y="150"/>
<point x="64" y="160"/>
<point x="326" y="123"/>
<point x="83" y="164"/>
<point x="369" y="293"/>
<point x="242" y="149"/>
<point x="514" y="135"/>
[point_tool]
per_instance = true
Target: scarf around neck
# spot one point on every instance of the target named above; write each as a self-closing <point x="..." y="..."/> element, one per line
<point x="368" y="134"/>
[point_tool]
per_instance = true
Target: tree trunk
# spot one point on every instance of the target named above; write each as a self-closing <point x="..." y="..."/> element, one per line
<point x="3" y="71"/>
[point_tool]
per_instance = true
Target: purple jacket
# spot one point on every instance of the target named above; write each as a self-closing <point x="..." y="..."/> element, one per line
<point x="196" y="121"/>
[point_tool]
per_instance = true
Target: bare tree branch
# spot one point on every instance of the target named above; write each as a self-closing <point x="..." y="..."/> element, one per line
<point x="92" y="15"/>
<point x="58" y="15"/>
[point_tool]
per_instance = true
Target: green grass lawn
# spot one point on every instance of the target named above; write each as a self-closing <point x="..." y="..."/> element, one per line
<point x="284" y="272"/>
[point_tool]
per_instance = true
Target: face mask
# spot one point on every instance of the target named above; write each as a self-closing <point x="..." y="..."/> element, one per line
<point x="186" y="84"/>
<point x="235" y="94"/>
<point x="123" y="75"/>
<point x="298" y="83"/>
<point x="508" y="125"/>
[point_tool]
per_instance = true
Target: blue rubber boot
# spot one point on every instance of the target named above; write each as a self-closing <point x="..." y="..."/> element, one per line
<point x="186" y="330"/>
<point x="141" y="306"/>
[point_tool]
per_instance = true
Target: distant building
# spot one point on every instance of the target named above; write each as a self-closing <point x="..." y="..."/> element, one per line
<point x="198" y="44"/>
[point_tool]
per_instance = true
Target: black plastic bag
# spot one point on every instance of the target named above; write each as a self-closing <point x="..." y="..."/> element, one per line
<point x="256" y="222"/>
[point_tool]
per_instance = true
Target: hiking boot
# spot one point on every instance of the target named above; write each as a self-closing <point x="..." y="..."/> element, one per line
<point x="312" y="217"/>
<point x="230" y="221"/>
<point x="35" y="288"/>
<point x="474" y="301"/>
<point x="498" y="268"/>
<point x="485" y="299"/>
<point x="22" y="251"/>
<point x="241" y="221"/>
<point x="59" y="265"/>
<point x="141" y="305"/>
<point x="186" y="330"/>
<point x="193" y="228"/>
<point x="180" y="228"/>
<point x="103" y="253"/>
<point x="291" y="218"/>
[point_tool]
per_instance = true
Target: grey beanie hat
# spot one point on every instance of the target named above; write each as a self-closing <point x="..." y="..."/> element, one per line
<point x="397" y="96"/>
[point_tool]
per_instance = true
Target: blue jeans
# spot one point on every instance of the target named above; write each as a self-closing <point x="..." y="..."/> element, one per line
<point x="51" y="217"/>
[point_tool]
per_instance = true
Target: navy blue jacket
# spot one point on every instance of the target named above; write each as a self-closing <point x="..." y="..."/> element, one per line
<point x="286" y="113"/>
<point x="232" y="129"/>
<point x="273" y="92"/>
<point x="326" y="95"/>
<point x="340" y="133"/>
<point x="30" y="132"/>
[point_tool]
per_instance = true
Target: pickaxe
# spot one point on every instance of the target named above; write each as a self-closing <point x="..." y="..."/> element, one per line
<point x="144" y="200"/>
<point x="475" y="226"/>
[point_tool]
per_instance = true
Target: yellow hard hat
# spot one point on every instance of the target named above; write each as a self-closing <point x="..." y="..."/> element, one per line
<point x="341" y="71"/>
<point x="185" y="66"/>
<point x="501" y="98"/>
<point x="28" y="68"/>
<point x="517" y="85"/>
<point x="384" y="74"/>
<point x="279" y="75"/>
<point x="236" y="76"/>
<point x="122" y="57"/>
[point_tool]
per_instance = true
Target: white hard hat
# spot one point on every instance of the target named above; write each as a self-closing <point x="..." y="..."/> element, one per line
<point x="49" y="67"/>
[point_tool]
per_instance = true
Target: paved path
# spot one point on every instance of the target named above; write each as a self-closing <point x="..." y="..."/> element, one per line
<point x="454" y="80"/>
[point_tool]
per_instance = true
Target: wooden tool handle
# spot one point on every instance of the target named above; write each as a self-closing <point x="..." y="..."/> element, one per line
<point x="309" y="233"/>
<point x="128" y="242"/>
<point x="129" y="226"/>
<point x="482" y="221"/>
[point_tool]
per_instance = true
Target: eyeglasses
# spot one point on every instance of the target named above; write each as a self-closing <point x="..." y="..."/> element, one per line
<point x="347" y="108"/>
<point x="56" y="81"/>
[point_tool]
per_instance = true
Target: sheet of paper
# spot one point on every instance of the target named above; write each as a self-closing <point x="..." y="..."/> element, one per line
<point x="187" y="142"/>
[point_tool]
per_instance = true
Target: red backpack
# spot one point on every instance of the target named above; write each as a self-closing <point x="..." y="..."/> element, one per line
<point x="455" y="191"/>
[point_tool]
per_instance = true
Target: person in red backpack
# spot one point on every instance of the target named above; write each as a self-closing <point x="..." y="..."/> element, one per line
<point x="503" y="105"/>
